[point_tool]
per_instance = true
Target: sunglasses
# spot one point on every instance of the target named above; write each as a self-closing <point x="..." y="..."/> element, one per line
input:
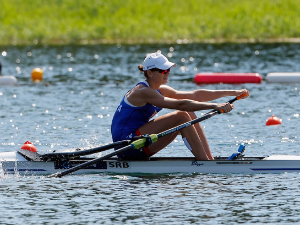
<point x="161" y="71"/>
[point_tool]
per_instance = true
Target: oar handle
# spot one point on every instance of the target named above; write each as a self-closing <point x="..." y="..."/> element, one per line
<point x="243" y="95"/>
<point x="234" y="99"/>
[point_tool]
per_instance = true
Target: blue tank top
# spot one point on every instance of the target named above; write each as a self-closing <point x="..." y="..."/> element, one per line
<point x="128" y="118"/>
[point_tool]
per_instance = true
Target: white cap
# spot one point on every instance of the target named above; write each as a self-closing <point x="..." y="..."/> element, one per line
<point x="157" y="60"/>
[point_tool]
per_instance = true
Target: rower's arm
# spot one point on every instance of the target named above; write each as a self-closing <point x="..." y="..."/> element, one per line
<point x="202" y="95"/>
<point x="153" y="97"/>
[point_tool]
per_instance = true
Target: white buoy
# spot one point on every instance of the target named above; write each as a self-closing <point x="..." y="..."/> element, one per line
<point x="283" y="77"/>
<point x="8" y="81"/>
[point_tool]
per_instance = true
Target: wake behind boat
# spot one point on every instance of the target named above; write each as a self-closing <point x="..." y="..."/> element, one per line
<point x="26" y="162"/>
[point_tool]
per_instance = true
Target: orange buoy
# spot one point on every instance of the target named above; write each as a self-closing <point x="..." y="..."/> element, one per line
<point x="273" y="121"/>
<point x="227" y="78"/>
<point x="29" y="146"/>
<point x="37" y="74"/>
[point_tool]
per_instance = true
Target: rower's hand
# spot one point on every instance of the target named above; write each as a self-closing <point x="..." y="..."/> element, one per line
<point x="243" y="93"/>
<point x="224" y="107"/>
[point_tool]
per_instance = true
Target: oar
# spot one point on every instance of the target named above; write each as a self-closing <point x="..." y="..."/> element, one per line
<point x="231" y="101"/>
<point x="68" y="155"/>
<point x="134" y="145"/>
<point x="238" y="97"/>
<point x="141" y="142"/>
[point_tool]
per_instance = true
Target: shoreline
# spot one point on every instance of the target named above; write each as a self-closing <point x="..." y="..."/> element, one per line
<point x="130" y="42"/>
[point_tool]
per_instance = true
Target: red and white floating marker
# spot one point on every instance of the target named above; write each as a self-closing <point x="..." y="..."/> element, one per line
<point x="273" y="121"/>
<point x="227" y="78"/>
<point x="283" y="77"/>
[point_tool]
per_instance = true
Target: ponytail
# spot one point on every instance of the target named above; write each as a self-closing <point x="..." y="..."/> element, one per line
<point x="142" y="70"/>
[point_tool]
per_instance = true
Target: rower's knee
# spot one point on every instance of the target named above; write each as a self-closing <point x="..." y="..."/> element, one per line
<point x="183" y="116"/>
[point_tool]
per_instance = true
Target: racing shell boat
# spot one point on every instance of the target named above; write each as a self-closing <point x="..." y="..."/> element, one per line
<point x="26" y="162"/>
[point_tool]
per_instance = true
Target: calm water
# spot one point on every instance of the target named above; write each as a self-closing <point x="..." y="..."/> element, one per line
<point x="74" y="105"/>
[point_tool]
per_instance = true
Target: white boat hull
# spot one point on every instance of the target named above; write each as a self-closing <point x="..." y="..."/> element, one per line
<point x="14" y="163"/>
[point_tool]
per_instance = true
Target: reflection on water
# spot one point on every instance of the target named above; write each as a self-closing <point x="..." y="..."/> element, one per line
<point x="75" y="111"/>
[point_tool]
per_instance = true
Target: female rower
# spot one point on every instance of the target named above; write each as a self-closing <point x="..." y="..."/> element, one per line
<point x="141" y="103"/>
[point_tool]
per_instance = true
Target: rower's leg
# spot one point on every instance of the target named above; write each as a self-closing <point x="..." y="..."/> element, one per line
<point x="171" y="120"/>
<point x="202" y="136"/>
